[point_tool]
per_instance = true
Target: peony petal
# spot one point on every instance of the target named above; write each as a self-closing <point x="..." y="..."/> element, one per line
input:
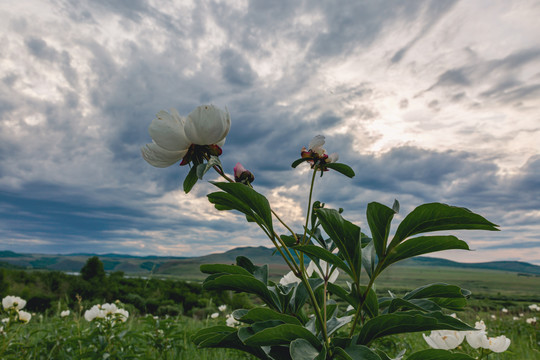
<point x="159" y="157"/>
<point x="167" y="130"/>
<point x="207" y="125"/>
<point x="316" y="143"/>
<point x="332" y="158"/>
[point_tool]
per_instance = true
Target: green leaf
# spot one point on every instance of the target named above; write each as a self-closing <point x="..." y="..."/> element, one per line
<point x="341" y="168"/>
<point x="415" y="304"/>
<point x="423" y="245"/>
<point x="243" y="283"/>
<point x="407" y="321"/>
<point x="301" y="294"/>
<point x="353" y="352"/>
<point x="288" y="240"/>
<point x="203" y="168"/>
<point x="369" y="258"/>
<point x="255" y="201"/>
<point x="301" y="349"/>
<point x="436" y="354"/>
<point x="437" y="290"/>
<point x="320" y="253"/>
<point x="262" y="314"/>
<point x="224" y="337"/>
<point x="259" y="272"/>
<point x="298" y="162"/>
<point x="222" y="268"/>
<point x="345" y="235"/>
<point x="191" y="179"/>
<point x="438" y="217"/>
<point x="379" y="218"/>
<point x="282" y="334"/>
<point x="334" y="323"/>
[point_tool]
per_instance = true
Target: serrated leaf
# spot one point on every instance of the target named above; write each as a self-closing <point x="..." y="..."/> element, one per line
<point x="341" y="168"/>
<point x="437" y="217"/>
<point x="190" y="180"/>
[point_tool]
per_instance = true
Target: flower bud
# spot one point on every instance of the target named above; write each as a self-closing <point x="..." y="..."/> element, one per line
<point x="242" y="175"/>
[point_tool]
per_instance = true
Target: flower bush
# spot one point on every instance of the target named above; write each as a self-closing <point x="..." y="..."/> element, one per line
<point x="307" y="314"/>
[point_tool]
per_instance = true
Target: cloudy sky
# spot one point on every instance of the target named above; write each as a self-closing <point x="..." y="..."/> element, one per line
<point x="425" y="100"/>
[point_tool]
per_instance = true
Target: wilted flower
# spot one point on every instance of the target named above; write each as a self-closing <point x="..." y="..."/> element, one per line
<point x="64" y="313"/>
<point x="242" y="175"/>
<point x="201" y="133"/>
<point x="316" y="155"/>
<point x="476" y="338"/>
<point x="214" y="315"/>
<point x="24" y="316"/>
<point x="444" y="339"/>
<point x="496" y="344"/>
<point x="13" y="302"/>
<point x="222" y="308"/>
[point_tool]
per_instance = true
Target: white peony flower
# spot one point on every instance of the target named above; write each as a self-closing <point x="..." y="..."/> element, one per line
<point x="326" y="268"/>
<point x="289" y="278"/>
<point x="24" y="316"/>
<point x="94" y="312"/>
<point x="174" y="135"/>
<point x="444" y="339"/>
<point x="222" y="308"/>
<point x="231" y="321"/>
<point x="534" y="307"/>
<point x="531" y="320"/>
<point x="122" y="314"/>
<point x="109" y="309"/>
<point x="504" y="310"/>
<point x="496" y="344"/>
<point x="214" y="315"/>
<point x="65" y="313"/>
<point x="13" y="302"/>
<point x="476" y="338"/>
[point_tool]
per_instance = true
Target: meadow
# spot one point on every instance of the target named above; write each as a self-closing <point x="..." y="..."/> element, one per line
<point x="501" y="299"/>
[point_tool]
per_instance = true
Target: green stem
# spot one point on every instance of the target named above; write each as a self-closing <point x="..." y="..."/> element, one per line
<point x="363" y="298"/>
<point x="317" y="309"/>
<point x="309" y="205"/>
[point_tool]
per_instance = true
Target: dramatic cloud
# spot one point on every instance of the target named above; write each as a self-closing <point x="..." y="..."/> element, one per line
<point x="427" y="101"/>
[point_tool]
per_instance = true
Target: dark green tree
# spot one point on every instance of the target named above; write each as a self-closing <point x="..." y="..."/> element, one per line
<point x="93" y="269"/>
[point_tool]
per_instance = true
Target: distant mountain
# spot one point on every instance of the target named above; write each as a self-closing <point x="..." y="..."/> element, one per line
<point x="180" y="265"/>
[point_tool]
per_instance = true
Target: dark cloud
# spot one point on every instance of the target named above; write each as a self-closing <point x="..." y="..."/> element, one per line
<point x="236" y="70"/>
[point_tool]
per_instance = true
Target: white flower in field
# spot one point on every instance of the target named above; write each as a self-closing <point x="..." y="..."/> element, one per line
<point x="13" y="302"/>
<point x="5" y="320"/>
<point x="65" y="313"/>
<point x="476" y="338"/>
<point x="122" y="315"/>
<point x="24" y="316"/>
<point x="109" y="309"/>
<point x="444" y="339"/>
<point x="326" y="269"/>
<point x="94" y="312"/>
<point x="316" y="155"/>
<point x="174" y="136"/>
<point x="515" y="318"/>
<point x="496" y="344"/>
<point x="531" y="320"/>
<point x="231" y="321"/>
<point x="504" y="310"/>
<point x="534" y="307"/>
<point x="289" y="278"/>
<point x="214" y="315"/>
<point x="222" y="308"/>
<point x="493" y="317"/>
